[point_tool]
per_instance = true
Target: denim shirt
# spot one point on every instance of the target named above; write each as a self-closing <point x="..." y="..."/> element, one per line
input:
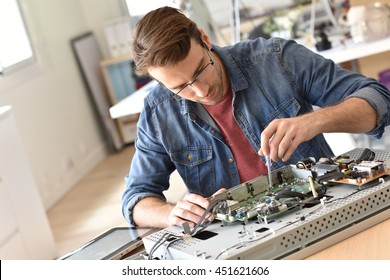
<point x="269" y="79"/>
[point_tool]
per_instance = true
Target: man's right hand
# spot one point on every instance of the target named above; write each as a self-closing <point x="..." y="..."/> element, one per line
<point x="154" y="212"/>
<point x="190" y="209"/>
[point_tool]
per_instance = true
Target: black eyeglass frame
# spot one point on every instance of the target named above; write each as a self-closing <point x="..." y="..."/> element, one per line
<point x="211" y="62"/>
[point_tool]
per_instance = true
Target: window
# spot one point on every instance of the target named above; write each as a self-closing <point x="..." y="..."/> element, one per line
<point x="15" y="47"/>
<point x="137" y="8"/>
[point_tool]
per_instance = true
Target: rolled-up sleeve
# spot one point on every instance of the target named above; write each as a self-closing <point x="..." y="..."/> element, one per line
<point x="131" y="198"/>
<point x="150" y="166"/>
<point x="332" y="84"/>
<point x="379" y="99"/>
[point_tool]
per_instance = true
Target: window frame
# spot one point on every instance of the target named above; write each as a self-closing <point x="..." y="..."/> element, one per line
<point x="7" y="71"/>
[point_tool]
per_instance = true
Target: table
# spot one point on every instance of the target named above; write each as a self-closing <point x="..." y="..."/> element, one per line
<point x="132" y="104"/>
<point x="370" y="244"/>
<point x="352" y="51"/>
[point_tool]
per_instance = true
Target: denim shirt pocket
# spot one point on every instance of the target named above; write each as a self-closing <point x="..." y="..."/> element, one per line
<point x="195" y="165"/>
<point x="290" y="109"/>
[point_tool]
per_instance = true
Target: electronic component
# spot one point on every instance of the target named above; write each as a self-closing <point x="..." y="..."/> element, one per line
<point x="346" y="170"/>
<point x="296" y="186"/>
<point x="267" y="204"/>
<point x="362" y="173"/>
<point x="297" y="216"/>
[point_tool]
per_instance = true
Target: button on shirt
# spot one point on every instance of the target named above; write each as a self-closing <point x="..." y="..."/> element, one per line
<point x="269" y="79"/>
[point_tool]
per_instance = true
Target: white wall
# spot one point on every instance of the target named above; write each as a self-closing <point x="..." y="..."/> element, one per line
<point x="96" y="12"/>
<point x="52" y="107"/>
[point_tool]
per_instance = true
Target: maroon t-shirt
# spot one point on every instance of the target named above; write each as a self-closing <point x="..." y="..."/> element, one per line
<point x="248" y="161"/>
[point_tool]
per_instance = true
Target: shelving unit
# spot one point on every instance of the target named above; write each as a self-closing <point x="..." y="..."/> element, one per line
<point x="121" y="82"/>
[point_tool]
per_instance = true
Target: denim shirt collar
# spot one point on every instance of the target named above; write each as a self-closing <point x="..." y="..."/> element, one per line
<point x="238" y="81"/>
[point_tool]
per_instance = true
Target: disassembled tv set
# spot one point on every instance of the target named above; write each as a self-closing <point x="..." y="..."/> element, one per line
<point x="305" y="208"/>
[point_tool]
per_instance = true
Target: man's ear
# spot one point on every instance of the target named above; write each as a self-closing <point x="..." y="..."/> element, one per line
<point x="205" y="38"/>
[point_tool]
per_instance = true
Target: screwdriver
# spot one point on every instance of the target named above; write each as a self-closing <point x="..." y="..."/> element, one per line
<point x="268" y="163"/>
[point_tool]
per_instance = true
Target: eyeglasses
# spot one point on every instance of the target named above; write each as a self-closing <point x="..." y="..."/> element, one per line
<point x="203" y="73"/>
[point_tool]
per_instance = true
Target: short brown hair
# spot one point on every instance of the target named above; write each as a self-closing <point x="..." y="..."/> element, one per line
<point x="162" y="38"/>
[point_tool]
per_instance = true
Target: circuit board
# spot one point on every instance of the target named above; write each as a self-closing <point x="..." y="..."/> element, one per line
<point x="301" y="185"/>
<point x="363" y="173"/>
<point x="264" y="206"/>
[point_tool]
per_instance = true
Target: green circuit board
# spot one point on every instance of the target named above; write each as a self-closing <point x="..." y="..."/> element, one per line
<point x="278" y="199"/>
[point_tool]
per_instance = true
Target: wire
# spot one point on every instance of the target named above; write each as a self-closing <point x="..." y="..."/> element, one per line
<point x="169" y="244"/>
<point x="165" y="237"/>
<point x="203" y="221"/>
<point x="200" y="225"/>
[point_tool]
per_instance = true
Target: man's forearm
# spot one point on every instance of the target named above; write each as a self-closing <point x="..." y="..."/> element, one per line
<point x="282" y="136"/>
<point x="152" y="212"/>
<point x="354" y="115"/>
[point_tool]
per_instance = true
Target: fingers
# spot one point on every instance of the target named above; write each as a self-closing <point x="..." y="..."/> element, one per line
<point x="190" y="209"/>
<point x="221" y="190"/>
<point x="196" y="200"/>
<point x="281" y="138"/>
<point x="275" y="140"/>
<point x="290" y="150"/>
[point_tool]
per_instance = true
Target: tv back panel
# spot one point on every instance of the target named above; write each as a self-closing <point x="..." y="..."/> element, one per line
<point x="294" y="233"/>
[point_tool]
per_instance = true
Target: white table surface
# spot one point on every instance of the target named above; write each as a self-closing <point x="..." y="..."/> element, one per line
<point x="132" y="104"/>
<point x="352" y="51"/>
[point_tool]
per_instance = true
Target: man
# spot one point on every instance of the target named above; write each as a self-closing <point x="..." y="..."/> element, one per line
<point x="219" y="111"/>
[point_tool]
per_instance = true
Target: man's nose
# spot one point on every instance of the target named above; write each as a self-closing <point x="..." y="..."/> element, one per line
<point x="200" y="89"/>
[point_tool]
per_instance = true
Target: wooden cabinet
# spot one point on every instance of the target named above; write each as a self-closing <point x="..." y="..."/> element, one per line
<point x="25" y="231"/>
